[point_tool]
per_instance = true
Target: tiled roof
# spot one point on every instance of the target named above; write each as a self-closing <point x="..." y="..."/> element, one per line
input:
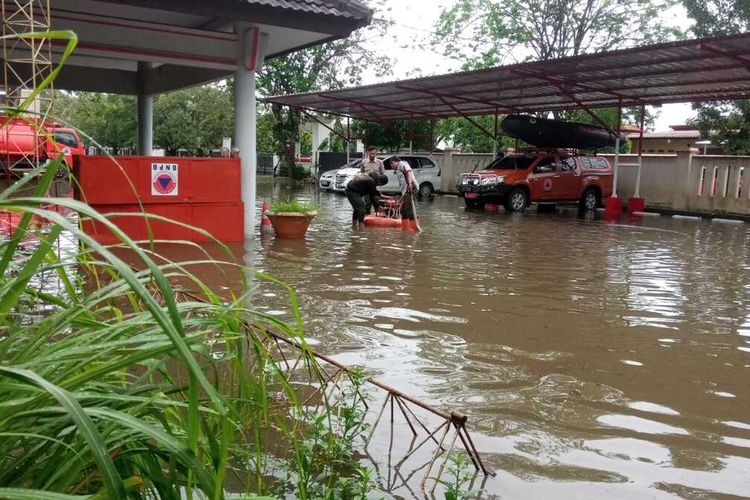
<point x="340" y="8"/>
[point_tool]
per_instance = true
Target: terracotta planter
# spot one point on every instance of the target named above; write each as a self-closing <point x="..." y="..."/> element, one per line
<point x="291" y="225"/>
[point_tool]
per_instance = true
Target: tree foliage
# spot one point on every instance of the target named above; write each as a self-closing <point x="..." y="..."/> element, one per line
<point x="195" y="119"/>
<point x="548" y="29"/>
<point x="718" y="17"/>
<point x="109" y="120"/>
<point x="724" y="123"/>
<point x="487" y="33"/>
<point x="327" y="66"/>
<point x="396" y="135"/>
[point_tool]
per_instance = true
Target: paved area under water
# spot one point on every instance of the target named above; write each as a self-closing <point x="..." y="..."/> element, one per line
<point x="592" y="358"/>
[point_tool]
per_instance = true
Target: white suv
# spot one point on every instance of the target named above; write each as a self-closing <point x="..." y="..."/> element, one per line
<point x="425" y="170"/>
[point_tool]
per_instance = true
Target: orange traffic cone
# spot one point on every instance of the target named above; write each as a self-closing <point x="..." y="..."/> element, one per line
<point x="264" y="220"/>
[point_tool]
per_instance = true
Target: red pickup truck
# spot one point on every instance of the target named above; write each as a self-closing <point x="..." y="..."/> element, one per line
<point x="26" y="143"/>
<point x="518" y="180"/>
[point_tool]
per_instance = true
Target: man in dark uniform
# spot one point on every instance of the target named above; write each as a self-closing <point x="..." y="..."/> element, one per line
<point x="362" y="191"/>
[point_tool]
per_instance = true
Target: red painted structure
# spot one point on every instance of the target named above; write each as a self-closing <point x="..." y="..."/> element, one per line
<point x="200" y="192"/>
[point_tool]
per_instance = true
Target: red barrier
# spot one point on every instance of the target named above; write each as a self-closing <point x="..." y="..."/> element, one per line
<point x="636" y="205"/>
<point x="612" y="207"/>
<point x="200" y="192"/>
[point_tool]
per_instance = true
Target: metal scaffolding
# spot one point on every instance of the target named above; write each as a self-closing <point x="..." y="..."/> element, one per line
<point x="27" y="61"/>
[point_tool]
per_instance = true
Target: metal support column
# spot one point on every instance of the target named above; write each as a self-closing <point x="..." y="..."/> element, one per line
<point x="145" y="113"/>
<point x="411" y="134"/>
<point x="494" y="139"/>
<point x="348" y="136"/>
<point x="640" y="154"/>
<point x="617" y="150"/>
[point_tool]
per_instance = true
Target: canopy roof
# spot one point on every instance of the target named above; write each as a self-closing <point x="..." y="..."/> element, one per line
<point x="686" y="71"/>
<point x="186" y="42"/>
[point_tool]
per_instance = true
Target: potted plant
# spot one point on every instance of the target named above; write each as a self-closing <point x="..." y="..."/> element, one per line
<point x="291" y="218"/>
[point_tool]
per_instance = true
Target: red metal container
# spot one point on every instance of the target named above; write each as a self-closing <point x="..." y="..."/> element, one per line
<point x="200" y="192"/>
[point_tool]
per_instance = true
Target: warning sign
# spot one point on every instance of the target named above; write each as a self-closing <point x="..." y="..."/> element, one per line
<point x="165" y="179"/>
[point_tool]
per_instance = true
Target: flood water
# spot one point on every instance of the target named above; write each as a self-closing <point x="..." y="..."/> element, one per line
<point x="592" y="358"/>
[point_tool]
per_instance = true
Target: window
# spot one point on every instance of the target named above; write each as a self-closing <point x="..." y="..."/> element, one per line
<point x="66" y="139"/>
<point x="545" y="166"/>
<point x="412" y="161"/>
<point x="568" y="164"/>
<point x="506" y="163"/>
<point x="510" y="163"/>
<point x="596" y="163"/>
<point x="427" y="163"/>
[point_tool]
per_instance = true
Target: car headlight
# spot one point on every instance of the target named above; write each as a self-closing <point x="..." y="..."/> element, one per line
<point x="489" y="181"/>
<point x="500" y="179"/>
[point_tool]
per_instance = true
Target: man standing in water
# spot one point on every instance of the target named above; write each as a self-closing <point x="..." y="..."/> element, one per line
<point x="372" y="163"/>
<point x="409" y="187"/>
<point x="362" y="193"/>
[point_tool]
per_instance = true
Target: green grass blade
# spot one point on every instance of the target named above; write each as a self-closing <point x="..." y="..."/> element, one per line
<point x="24" y="494"/>
<point x="85" y="426"/>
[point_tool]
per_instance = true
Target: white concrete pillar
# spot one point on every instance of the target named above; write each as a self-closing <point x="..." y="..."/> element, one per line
<point x="249" y="60"/>
<point x="616" y="167"/>
<point x="145" y="114"/>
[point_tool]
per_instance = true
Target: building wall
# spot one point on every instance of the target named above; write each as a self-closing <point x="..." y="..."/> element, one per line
<point x="663" y="145"/>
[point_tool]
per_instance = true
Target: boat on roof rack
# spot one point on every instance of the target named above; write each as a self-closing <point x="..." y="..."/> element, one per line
<point x="546" y="133"/>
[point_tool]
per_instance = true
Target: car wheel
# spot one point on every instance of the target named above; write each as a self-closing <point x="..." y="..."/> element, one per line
<point x="426" y="190"/>
<point x="517" y="200"/>
<point x="590" y="199"/>
<point x="474" y="203"/>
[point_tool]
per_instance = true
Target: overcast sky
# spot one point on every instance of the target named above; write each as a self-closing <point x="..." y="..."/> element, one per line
<point x="414" y="20"/>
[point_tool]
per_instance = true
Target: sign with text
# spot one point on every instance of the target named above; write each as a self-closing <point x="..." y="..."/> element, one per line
<point x="165" y="179"/>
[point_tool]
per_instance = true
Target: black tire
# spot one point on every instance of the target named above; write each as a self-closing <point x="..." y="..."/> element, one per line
<point x="517" y="200"/>
<point x="426" y="190"/>
<point x="590" y="200"/>
<point x="475" y="203"/>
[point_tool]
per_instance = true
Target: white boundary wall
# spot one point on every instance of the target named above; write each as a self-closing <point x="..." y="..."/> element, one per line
<point x="681" y="181"/>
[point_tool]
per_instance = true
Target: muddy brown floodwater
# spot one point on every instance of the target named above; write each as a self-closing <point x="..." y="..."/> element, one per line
<point x="592" y="358"/>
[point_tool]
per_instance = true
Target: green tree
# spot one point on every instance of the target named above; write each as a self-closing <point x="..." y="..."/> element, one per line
<point x="109" y="120"/>
<point x="725" y="123"/>
<point x="326" y="66"/>
<point x="395" y="135"/>
<point x="547" y="29"/>
<point x="485" y="33"/>
<point x="462" y="134"/>
<point x="264" y="130"/>
<point x="195" y="119"/>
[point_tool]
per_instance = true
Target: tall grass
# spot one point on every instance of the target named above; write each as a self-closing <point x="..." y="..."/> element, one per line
<point x="137" y="380"/>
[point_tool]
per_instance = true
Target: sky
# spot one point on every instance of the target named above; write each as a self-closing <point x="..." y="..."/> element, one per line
<point x="414" y="20"/>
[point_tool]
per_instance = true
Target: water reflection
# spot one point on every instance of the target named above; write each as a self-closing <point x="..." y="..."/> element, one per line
<point x="588" y="354"/>
<point x="593" y="358"/>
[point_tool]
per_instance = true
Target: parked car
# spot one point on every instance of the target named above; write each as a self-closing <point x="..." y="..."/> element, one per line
<point x="326" y="180"/>
<point x="67" y="141"/>
<point x="328" y="177"/>
<point x="426" y="172"/>
<point x="518" y="180"/>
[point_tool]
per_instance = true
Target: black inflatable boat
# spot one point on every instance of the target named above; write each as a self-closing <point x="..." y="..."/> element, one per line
<point x="542" y="132"/>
